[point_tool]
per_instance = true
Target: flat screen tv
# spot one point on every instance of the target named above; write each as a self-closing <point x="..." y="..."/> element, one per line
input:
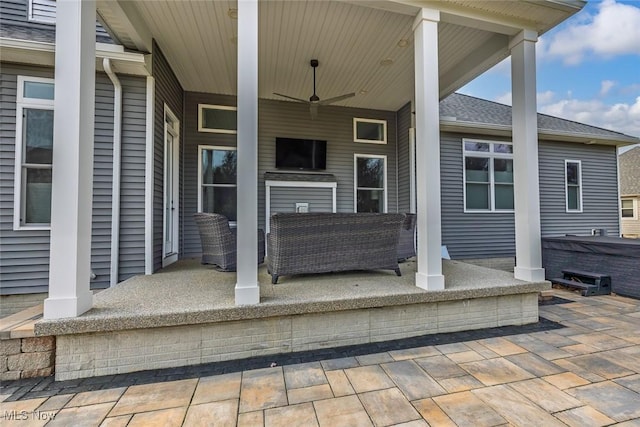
<point x="301" y="154"/>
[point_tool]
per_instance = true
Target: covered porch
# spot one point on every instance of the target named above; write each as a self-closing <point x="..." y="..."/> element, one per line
<point x="186" y="315"/>
<point x="244" y="58"/>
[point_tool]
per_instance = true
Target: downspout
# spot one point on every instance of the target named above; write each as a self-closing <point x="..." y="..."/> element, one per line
<point x="115" y="191"/>
<point x="619" y="193"/>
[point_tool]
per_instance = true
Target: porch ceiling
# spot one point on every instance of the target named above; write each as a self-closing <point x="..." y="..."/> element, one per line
<point x="350" y="39"/>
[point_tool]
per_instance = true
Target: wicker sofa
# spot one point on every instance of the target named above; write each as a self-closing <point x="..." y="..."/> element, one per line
<point x="301" y="243"/>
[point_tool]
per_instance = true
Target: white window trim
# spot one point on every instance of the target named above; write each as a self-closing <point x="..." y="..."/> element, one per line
<point x="566" y="187"/>
<point x="491" y="156"/>
<point x="634" y="206"/>
<point x="369" y="141"/>
<point x="32" y="18"/>
<point x="202" y="107"/>
<point x="23" y="102"/>
<point x="355" y="178"/>
<point x="201" y="148"/>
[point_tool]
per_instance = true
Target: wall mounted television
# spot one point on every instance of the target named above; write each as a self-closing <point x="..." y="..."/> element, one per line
<point x="301" y="154"/>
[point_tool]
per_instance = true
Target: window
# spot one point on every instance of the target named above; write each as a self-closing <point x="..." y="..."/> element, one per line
<point x="573" y="185"/>
<point x="217" y="181"/>
<point x="488" y="176"/>
<point x="370" y="174"/>
<point x="217" y="119"/>
<point x="370" y="130"/>
<point x="628" y="209"/>
<point x="34" y="153"/>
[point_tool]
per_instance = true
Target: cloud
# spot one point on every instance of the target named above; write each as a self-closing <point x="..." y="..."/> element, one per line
<point x="545" y="97"/>
<point x="631" y="89"/>
<point x="505" y="98"/>
<point x="605" y="87"/>
<point x="614" y="30"/>
<point x="542" y="98"/>
<point x="620" y="117"/>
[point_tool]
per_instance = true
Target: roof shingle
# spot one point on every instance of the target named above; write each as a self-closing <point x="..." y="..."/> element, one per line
<point x="630" y="172"/>
<point x="470" y="109"/>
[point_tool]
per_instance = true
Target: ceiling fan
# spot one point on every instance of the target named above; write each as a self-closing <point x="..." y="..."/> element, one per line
<point x="315" y="101"/>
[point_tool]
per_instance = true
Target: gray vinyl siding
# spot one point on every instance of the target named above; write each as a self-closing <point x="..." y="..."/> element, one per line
<point x="404" y="124"/>
<point x="132" y="172"/>
<point x="285" y="119"/>
<point x="492" y="235"/>
<point x="284" y="199"/>
<point x="599" y="189"/>
<point x="102" y="183"/>
<point x="189" y="161"/>
<point x="335" y="125"/>
<point x="469" y="235"/>
<point x="16" y="13"/>
<point x="25" y="253"/>
<point x="167" y="91"/>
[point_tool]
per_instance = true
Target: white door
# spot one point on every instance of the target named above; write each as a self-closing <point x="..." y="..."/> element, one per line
<point x="171" y="201"/>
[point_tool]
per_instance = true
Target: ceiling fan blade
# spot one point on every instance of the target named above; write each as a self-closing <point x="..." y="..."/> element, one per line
<point x="291" y="97"/>
<point x="313" y="109"/>
<point x="337" y="98"/>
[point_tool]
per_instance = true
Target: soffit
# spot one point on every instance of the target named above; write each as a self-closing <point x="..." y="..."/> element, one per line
<point x="349" y="39"/>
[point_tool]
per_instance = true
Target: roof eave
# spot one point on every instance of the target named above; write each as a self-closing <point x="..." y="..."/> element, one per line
<point x="43" y="53"/>
<point x="457" y="126"/>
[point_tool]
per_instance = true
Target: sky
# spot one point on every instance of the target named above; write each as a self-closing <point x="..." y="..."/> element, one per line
<point x="588" y="68"/>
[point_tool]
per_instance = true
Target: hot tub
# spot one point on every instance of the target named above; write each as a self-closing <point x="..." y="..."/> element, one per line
<point x="615" y="256"/>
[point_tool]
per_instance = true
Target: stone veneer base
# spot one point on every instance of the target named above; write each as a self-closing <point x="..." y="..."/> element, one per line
<point x="84" y="355"/>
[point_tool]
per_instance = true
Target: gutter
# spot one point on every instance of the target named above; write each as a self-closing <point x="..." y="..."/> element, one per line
<point x="43" y="53"/>
<point x="115" y="192"/>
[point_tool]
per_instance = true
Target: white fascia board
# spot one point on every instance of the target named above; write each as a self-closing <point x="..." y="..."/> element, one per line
<point x="27" y="52"/>
<point x="505" y="130"/>
<point x="43" y="53"/>
<point x="501" y="24"/>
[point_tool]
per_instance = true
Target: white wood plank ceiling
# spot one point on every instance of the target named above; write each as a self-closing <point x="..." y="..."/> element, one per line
<point x="352" y="42"/>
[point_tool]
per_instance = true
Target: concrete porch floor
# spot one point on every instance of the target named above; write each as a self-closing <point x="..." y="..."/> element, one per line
<point x="190" y="293"/>
<point x="584" y="373"/>
<point x="186" y="315"/>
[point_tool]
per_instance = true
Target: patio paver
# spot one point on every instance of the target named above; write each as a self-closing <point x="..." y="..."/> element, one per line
<point x="613" y="400"/>
<point x="342" y="411"/>
<point x="262" y="389"/>
<point x="578" y="373"/>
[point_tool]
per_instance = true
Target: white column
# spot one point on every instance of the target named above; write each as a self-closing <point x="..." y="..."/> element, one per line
<point x="247" y="288"/>
<point x="69" y="267"/>
<point x="525" y="157"/>
<point x="429" y="271"/>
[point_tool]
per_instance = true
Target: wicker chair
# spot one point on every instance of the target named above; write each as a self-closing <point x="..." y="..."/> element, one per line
<point x="302" y="243"/>
<point x="406" y="245"/>
<point x="218" y="240"/>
